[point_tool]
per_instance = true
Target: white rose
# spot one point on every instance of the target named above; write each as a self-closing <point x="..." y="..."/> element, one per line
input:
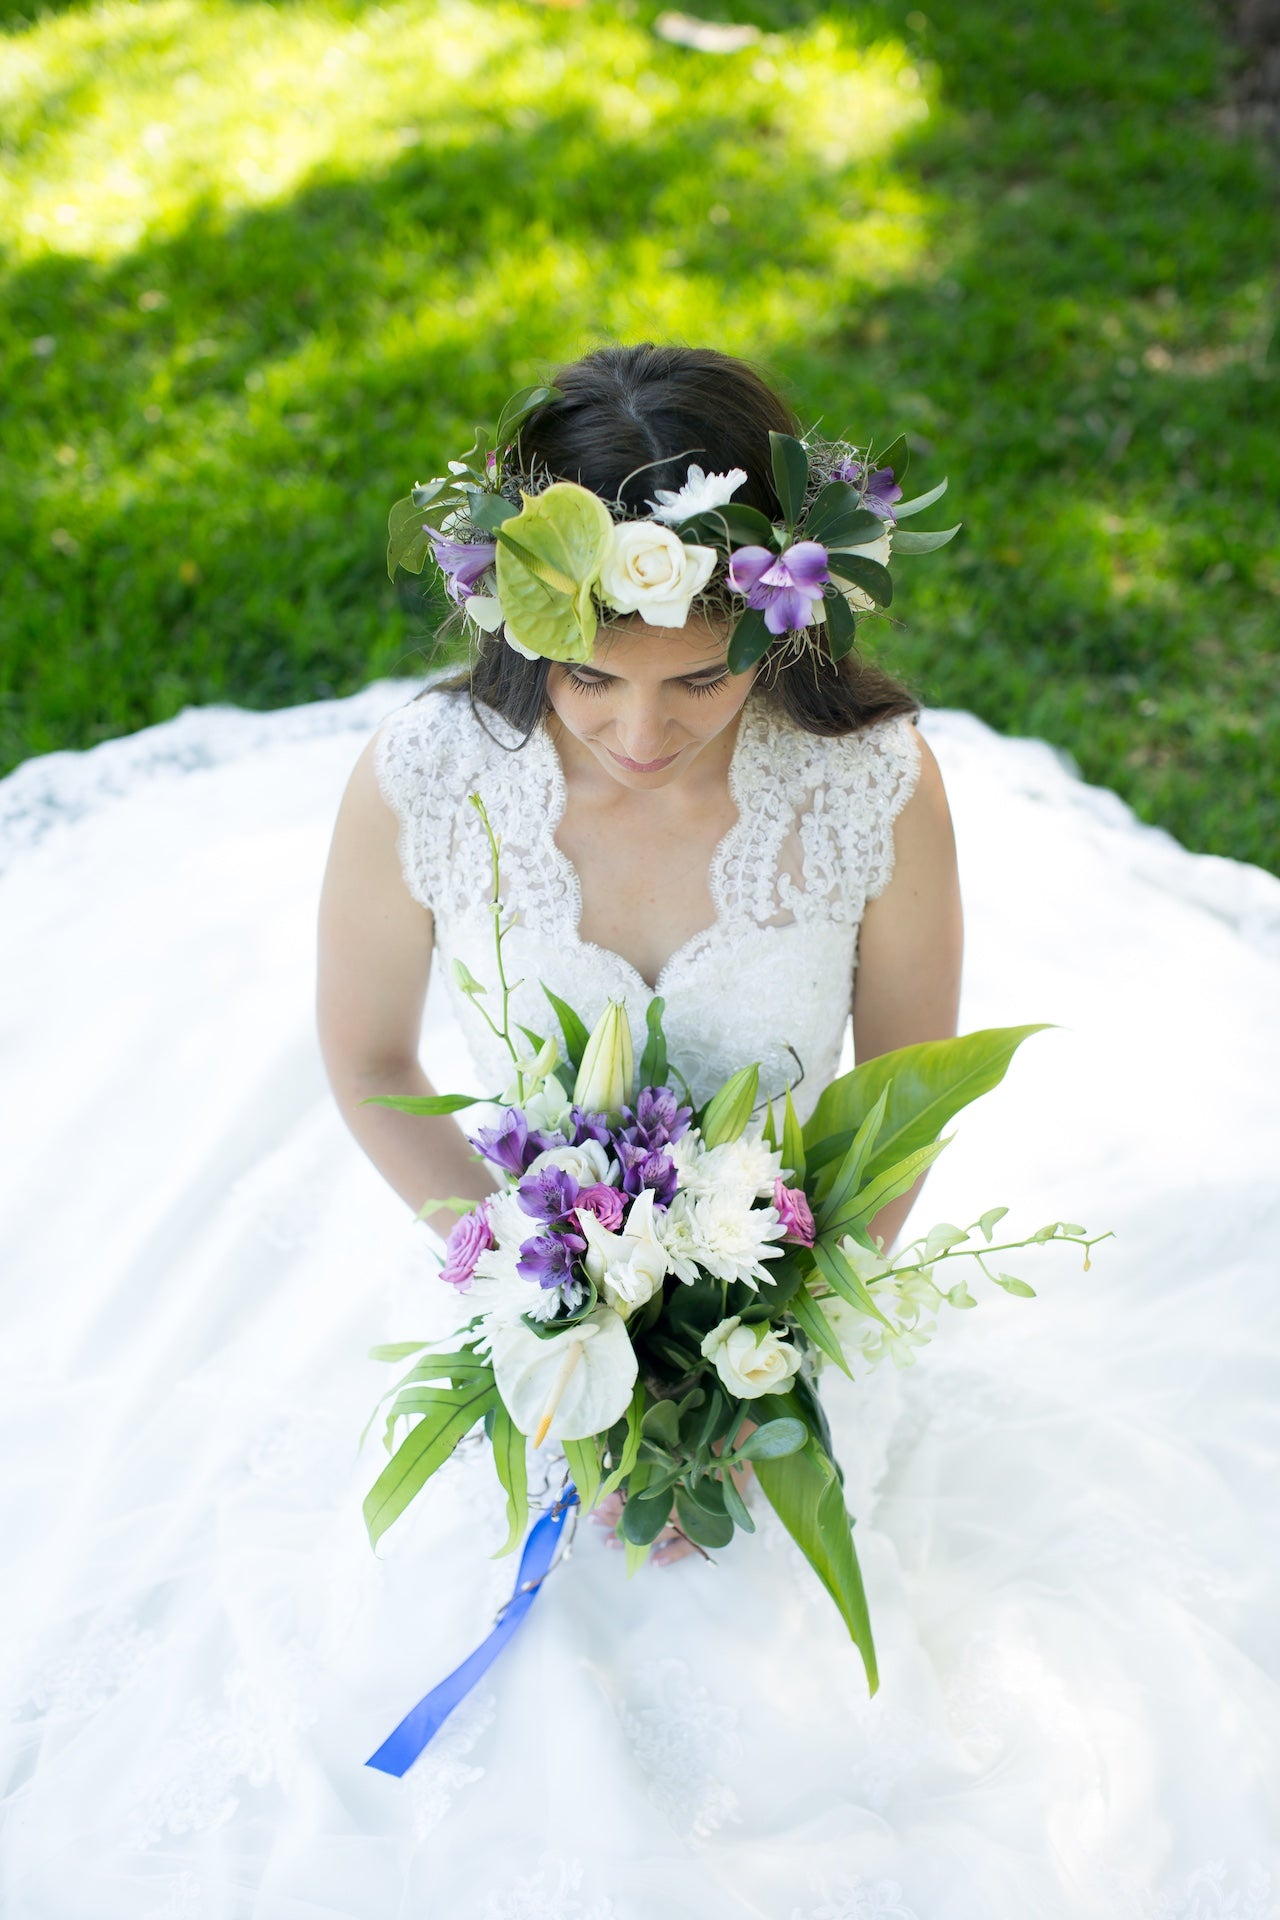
<point x="858" y="599"/>
<point x="628" y="1267"/>
<point x="648" y="569"/>
<point x="588" y="1164"/>
<point x="750" y="1366"/>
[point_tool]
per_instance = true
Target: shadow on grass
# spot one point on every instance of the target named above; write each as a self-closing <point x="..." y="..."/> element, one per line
<point x="1081" y="331"/>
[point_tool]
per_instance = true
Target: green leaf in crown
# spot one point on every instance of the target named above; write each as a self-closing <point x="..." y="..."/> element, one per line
<point x="549" y="558"/>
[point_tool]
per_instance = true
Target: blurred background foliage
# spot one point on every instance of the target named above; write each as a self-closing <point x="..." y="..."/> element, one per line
<point x="264" y="265"/>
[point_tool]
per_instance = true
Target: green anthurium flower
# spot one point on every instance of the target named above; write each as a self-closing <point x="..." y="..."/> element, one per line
<point x="549" y="558"/>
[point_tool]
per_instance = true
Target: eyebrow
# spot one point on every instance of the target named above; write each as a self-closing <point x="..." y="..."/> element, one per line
<point x="690" y="673"/>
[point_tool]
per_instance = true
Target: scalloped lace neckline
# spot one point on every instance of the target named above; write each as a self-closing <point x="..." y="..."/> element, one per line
<point x="752" y="728"/>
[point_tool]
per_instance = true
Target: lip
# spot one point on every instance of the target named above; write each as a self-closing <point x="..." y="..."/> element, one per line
<point x="641" y="766"/>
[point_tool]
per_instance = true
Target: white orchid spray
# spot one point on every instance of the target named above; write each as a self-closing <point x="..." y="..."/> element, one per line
<point x="655" y="1286"/>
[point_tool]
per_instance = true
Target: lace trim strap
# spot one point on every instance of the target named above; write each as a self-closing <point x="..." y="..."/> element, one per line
<point x="893" y="765"/>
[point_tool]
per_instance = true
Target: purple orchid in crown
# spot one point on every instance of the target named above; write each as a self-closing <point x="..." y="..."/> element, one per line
<point x="460" y="564"/>
<point x="785" y="586"/>
<point x="879" y="489"/>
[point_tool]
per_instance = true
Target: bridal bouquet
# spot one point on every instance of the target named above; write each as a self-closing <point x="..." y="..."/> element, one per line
<point x="655" y="1285"/>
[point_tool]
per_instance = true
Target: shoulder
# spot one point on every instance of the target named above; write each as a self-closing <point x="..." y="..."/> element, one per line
<point x="422" y="751"/>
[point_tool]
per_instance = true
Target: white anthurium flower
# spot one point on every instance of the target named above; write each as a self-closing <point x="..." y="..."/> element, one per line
<point x="628" y="1267"/>
<point x="723" y="1234"/>
<point x="588" y="1164"/>
<point x="648" y="569"/>
<point x="700" y="493"/>
<point x="859" y="599"/>
<point x="485" y="609"/>
<point x="750" y="1360"/>
<point x="518" y="646"/>
<point x="582" y="1377"/>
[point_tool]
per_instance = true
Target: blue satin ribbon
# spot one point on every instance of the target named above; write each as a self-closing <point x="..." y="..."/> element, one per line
<point x="401" y="1748"/>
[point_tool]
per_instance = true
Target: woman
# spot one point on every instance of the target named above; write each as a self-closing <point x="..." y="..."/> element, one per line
<point x="1062" y="1515"/>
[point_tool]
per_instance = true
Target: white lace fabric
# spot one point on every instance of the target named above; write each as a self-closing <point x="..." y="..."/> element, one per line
<point x="811" y="844"/>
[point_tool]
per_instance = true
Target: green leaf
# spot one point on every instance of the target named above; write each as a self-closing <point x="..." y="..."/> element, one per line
<point x="804" y="1490"/>
<point x="905" y="508"/>
<point x="631" y="1446"/>
<point x="837" y="519"/>
<point x="747" y="525"/>
<point x="653" y="1061"/>
<point x="401" y="1349"/>
<point x="842" y="622"/>
<point x="749" y="641"/>
<point x="849" y="1172"/>
<point x="644" y="1517"/>
<point x="808" y="1314"/>
<point x="728" y="1112"/>
<point x="572" y="1027"/>
<point x="1011" y="1284"/>
<point x="736" y="1507"/>
<point x="862" y="1209"/>
<point x="584" y="1464"/>
<point x="792" y="1143"/>
<point x="425" y="1448"/>
<point x="661" y="1422"/>
<point x="536" y="1040"/>
<point x="931" y="1082"/>
<point x="867" y="574"/>
<point x="990" y="1220"/>
<point x="708" y="1494"/>
<point x="707" y="1529"/>
<point x="773" y="1440"/>
<point x="905" y="541"/>
<point x="770" y="1133"/>
<point x="408" y="542"/>
<point x="425" y="1102"/>
<point x="517" y="411"/>
<point x="511" y="1458"/>
<point x="898" y="456"/>
<point x="790" y="475"/>
<point x="842" y="1279"/>
<point x="489" y="511"/>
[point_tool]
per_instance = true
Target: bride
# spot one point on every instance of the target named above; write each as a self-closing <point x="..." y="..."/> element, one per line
<point x="1062" y="1511"/>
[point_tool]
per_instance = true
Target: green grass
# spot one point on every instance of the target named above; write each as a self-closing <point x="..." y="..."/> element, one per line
<point x="264" y="265"/>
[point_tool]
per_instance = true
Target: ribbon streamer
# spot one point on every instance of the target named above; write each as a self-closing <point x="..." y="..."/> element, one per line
<point x="420" y="1725"/>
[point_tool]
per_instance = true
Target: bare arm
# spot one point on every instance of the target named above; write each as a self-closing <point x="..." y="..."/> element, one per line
<point x="907" y="984"/>
<point x="374" y="944"/>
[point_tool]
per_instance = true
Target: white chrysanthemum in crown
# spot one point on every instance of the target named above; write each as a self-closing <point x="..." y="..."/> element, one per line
<point x="538" y="559"/>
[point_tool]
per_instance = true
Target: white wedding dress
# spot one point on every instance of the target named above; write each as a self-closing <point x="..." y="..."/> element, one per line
<point x="1066" y="1512"/>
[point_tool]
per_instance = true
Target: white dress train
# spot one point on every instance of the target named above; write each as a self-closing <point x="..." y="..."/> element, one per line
<point x="1066" y="1512"/>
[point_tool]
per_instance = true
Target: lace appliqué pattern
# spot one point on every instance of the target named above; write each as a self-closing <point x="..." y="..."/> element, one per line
<point x="858" y="1900"/>
<point x="445" y="1767"/>
<point x="551" y="1892"/>
<point x="680" y="1738"/>
<point x="813" y="841"/>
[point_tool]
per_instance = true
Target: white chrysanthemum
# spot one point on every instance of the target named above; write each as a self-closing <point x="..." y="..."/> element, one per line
<point x="747" y="1166"/>
<point x="700" y="492"/>
<point x="722" y="1234"/>
<point x="509" y="1224"/>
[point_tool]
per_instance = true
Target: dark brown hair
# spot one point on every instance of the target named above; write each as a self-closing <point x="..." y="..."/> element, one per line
<point x="659" y="408"/>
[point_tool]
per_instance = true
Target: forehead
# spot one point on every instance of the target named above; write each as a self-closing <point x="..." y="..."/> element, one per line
<point x="633" y="650"/>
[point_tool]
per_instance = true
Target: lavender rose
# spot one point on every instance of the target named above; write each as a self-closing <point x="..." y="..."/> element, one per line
<point x="468" y="1239"/>
<point x="795" y="1214"/>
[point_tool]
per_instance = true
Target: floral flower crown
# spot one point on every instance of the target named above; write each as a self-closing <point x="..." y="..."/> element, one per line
<point x="537" y="557"/>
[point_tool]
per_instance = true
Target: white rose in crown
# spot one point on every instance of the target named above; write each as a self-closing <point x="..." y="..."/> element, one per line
<point x="649" y="569"/>
<point x="749" y="1366"/>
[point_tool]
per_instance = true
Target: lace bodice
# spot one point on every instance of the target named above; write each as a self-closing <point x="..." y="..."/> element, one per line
<point x="769" y="979"/>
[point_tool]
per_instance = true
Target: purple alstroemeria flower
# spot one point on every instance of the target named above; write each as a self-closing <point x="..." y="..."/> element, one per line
<point x="642" y="1168"/>
<point x="786" y="586"/>
<point x="548" y="1258"/>
<point x="511" y="1145"/>
<point x="587" y="1126"/>
<point x="550" y="1194"/>
<point x="879" y="490"/>
<point x="656" y="1121"/>
<point x="461" y="565"/>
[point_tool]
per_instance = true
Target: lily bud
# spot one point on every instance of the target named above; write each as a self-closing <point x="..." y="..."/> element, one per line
<point x="608" y="1066"/>
<point x="727" y="1115"/>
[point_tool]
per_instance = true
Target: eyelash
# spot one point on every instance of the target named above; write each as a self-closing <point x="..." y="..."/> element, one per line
<point x="696" y="687"/>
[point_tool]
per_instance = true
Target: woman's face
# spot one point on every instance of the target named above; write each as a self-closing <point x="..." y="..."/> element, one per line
<point x="652" y="700"/>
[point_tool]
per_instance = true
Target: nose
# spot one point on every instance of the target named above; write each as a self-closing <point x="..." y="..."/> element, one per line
<point x="643" y="730"/>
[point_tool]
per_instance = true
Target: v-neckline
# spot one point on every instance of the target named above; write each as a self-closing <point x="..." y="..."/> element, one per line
<point x="751" y="715"/>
